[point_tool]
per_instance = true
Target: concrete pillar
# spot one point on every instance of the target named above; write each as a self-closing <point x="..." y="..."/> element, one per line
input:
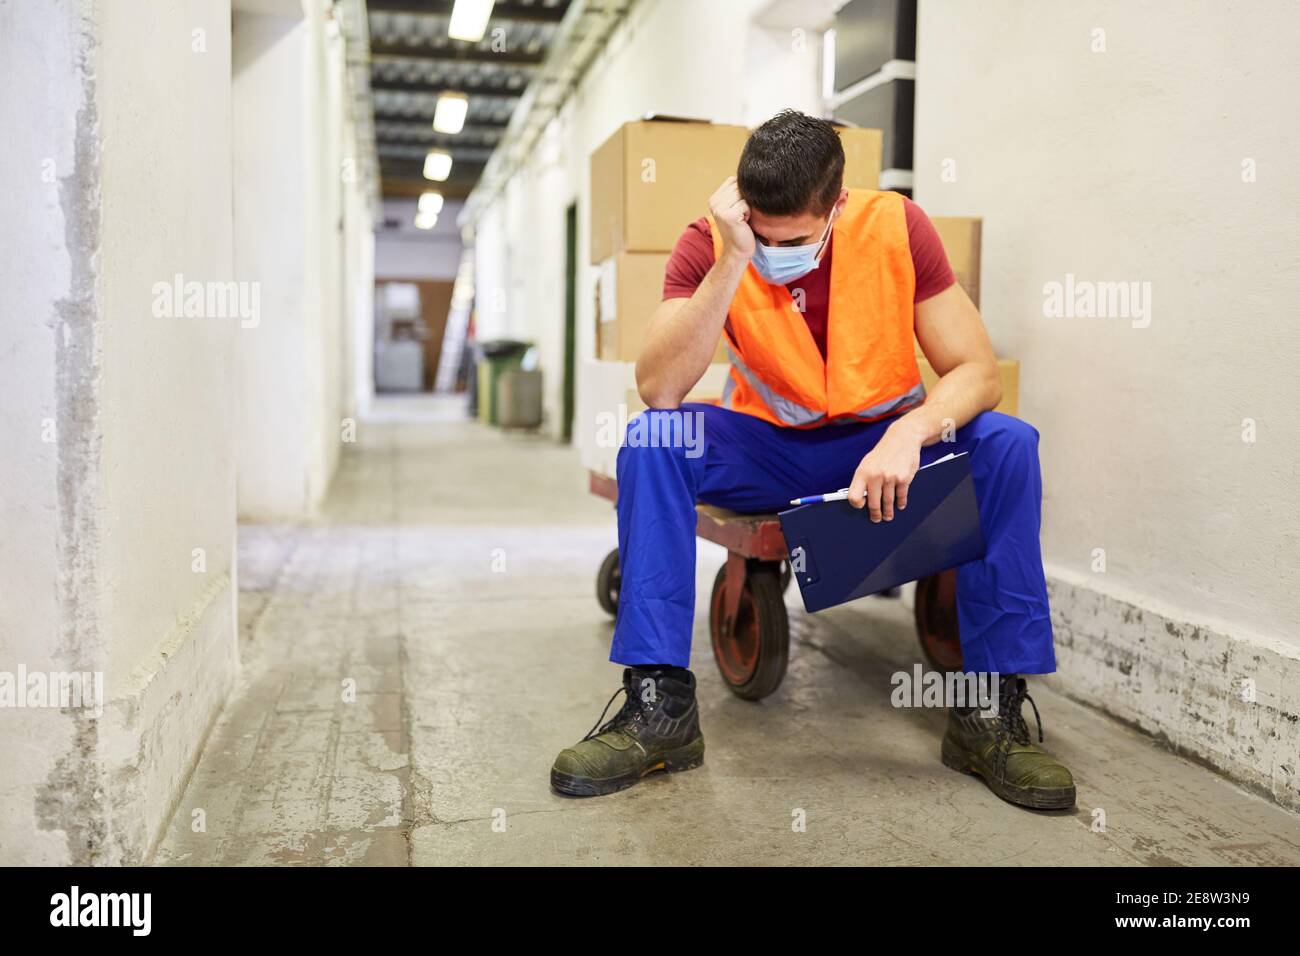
<point x="118" y="476"/>
<point x="358" y="296"/>
<point x="290" y="182"/>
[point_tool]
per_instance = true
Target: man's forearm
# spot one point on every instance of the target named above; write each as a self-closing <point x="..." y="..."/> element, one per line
<point x="677" y="352"/>
<point x="967" y="390"/>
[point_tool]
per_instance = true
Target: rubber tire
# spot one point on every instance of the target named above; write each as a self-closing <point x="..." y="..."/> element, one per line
<point x="936" y="621"/>
<point x="761" y="599"/>
<point x="609" y="581"/>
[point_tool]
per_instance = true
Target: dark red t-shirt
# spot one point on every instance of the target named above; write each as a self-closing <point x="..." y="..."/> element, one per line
<point x="692" y="258"/>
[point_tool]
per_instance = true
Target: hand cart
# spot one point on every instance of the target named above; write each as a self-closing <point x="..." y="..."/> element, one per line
<point x="748" y="624"/>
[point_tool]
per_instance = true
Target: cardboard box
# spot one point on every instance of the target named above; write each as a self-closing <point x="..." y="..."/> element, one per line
<point x="629" y="287"/>
<point x="652" y="178"/>
<point x="961" y="241"/>
<point x="607" y="399"/>
<point x="1009" y="369"/>
<point x="863" y="149"/>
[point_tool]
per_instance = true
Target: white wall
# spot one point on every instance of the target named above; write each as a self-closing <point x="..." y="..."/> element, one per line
<point x="654" y="63"/>
<point x="294" y="237"/>
<point x="121" y="539"/>
<point x="358" y="298"/>
<point x="270" y="215"/>
<point x="50" y="287"/>
<point x="323" y="300"/>
<point x="1127" y="165"/>
<point x="118" y="484"/>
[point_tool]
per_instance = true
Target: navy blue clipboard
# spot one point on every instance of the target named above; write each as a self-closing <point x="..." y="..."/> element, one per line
<point x="839" y="555"/>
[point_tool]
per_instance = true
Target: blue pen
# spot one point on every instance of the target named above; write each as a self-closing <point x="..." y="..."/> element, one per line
<point x="840" y="495"/>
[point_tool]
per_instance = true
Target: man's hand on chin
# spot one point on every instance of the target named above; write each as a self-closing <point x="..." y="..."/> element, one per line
<point x="886" y="472"/>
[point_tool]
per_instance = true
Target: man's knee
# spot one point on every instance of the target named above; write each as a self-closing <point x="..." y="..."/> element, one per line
<point x="1005" y="430"/>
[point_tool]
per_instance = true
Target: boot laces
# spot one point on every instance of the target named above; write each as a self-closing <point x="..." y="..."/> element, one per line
<point x="1012" y="727"/>
<point x="633" y="711"/>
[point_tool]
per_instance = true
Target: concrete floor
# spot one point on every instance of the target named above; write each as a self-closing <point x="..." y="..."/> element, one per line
<point x="450" y="577"/>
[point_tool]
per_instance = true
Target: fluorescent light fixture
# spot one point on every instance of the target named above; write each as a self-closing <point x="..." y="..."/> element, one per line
<point x="425" y="220"/>
<point x="469" y="20"/>
<point x="449" y="117"/>
<point x="437" y="165"/>
<point x="430" y="203"/>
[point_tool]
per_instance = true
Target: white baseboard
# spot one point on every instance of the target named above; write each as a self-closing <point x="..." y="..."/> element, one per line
<point x="1188" y="684"/>
<point x="158" y="719"/>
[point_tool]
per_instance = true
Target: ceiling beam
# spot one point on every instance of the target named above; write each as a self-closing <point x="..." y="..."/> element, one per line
<point x="382" y="52"/>
<point x="480" y="89"/>
<point x="406" y="126"/>
<point x="478" y="126"/>
<point x="421" y="135"/>
<point x="501" y="10"/>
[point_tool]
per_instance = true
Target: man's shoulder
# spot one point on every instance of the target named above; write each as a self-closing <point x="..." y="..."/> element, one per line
<point x="701" y="227"/>
<point x="690" y="260"/>
<point x="697" y="236"/>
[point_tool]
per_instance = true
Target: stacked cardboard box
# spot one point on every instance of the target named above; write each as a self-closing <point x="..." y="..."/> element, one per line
<point x="960" y="236"/>
<point x="648" y="182"/>
<point x="862" y="154"/>
<point x="652" y="177"/>
<point x="628" y="289"/>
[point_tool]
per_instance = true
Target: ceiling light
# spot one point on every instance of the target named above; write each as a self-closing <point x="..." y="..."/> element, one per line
<point x="425" y="220"/>
<point x="449" y="116"/>
<point x="437" y="165"/>
<point x="469" y="20"/>
<point x="430" y="203"/>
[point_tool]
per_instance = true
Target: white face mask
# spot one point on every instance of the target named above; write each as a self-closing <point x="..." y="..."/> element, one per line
<point x="781" y="265"/>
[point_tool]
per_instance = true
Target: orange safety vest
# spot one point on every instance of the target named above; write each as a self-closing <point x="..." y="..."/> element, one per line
<point x="870" y="372"/>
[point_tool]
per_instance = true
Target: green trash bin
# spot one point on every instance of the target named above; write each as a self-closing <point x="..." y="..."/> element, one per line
<point x="497" y="356"/>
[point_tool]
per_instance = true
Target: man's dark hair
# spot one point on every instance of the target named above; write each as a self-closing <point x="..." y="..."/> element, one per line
<point x="793" y="163"/>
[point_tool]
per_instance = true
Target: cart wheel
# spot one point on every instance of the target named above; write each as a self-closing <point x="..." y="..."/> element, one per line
<point x="608" y="582"/>
<point x="752" y="653"/>
<point x="936" y="620"/>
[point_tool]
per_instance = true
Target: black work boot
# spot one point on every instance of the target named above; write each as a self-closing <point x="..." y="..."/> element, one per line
<point x="998" y="750"/>
<point x="658" y="728"/>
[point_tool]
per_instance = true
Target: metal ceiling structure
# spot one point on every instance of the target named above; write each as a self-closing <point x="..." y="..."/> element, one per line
<point x="584" y="31"/>
<point x="413" y="60"/>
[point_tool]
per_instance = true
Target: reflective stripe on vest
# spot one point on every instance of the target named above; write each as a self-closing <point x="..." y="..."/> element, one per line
<point x="790" y="412"/>
<point x="778" y="373"/>
<point x="914" y="396"/>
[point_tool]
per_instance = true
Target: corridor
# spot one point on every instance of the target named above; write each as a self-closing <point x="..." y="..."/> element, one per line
<point x="414" y="659"/>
